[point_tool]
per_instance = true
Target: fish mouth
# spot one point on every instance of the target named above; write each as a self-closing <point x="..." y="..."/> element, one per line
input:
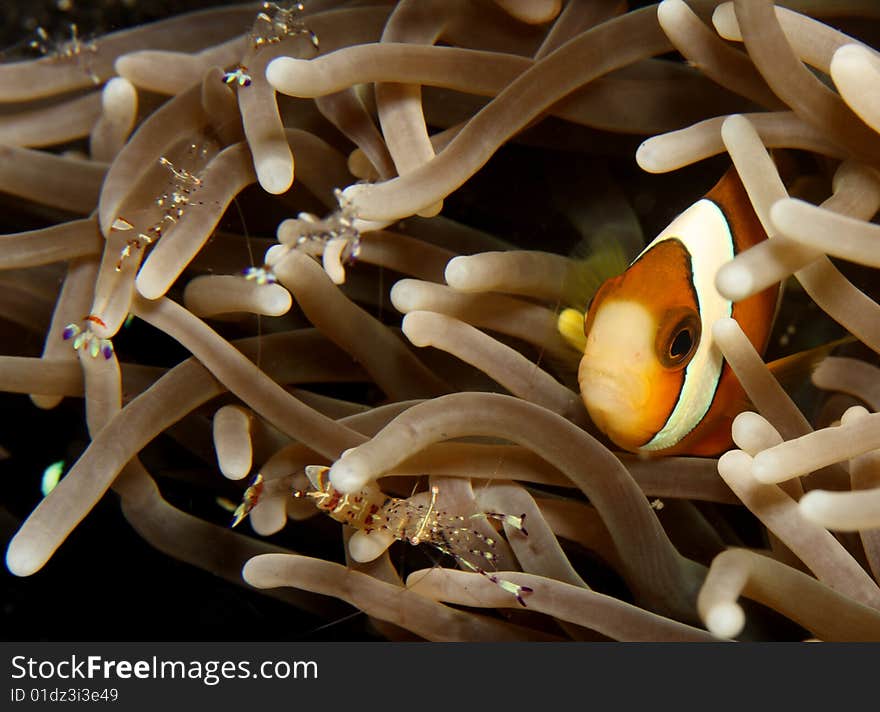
<point x="614" y="405"/>
<point x="618" y="389"/>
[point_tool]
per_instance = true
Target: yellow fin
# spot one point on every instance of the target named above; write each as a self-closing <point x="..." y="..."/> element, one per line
<point x="603" y="256"/>
<point x="610" y="232"/>
<point x="570" y="324"/>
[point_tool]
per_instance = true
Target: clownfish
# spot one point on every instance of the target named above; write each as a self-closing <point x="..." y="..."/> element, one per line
<point x="651" y="377"/>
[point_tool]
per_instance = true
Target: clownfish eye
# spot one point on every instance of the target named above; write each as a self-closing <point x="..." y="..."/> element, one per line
<point x="682" y="343"/>
<point x="677" y="343"/>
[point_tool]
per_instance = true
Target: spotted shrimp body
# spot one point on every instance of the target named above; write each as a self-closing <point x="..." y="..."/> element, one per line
<point x="415" y="522"/>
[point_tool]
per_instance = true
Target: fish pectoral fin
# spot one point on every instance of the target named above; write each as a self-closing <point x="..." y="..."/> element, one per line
<point x="794" y="369"/>
<point x="570" y="324"/>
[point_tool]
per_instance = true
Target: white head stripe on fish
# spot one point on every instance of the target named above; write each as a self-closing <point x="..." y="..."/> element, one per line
<point x="705" y="233"/>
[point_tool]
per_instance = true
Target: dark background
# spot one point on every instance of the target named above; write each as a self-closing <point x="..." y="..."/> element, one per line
<point x="105" y="582"/>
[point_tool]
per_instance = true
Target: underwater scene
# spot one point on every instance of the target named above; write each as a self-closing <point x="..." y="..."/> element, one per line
<point x="440" y="320"/>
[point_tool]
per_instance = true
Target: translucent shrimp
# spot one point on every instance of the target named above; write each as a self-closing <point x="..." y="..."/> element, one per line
<point x="371" y="510"/>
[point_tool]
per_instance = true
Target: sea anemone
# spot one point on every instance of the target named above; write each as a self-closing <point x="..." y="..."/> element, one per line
<point x="219" y="207"/>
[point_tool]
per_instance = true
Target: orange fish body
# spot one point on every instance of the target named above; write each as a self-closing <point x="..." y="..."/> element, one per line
<point x="651" y="376"/>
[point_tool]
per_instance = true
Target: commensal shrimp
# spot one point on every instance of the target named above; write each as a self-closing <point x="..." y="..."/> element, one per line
<point x="184" y="184"/>
<point x="371" y="510"/>
<point x="75" y="47"/>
